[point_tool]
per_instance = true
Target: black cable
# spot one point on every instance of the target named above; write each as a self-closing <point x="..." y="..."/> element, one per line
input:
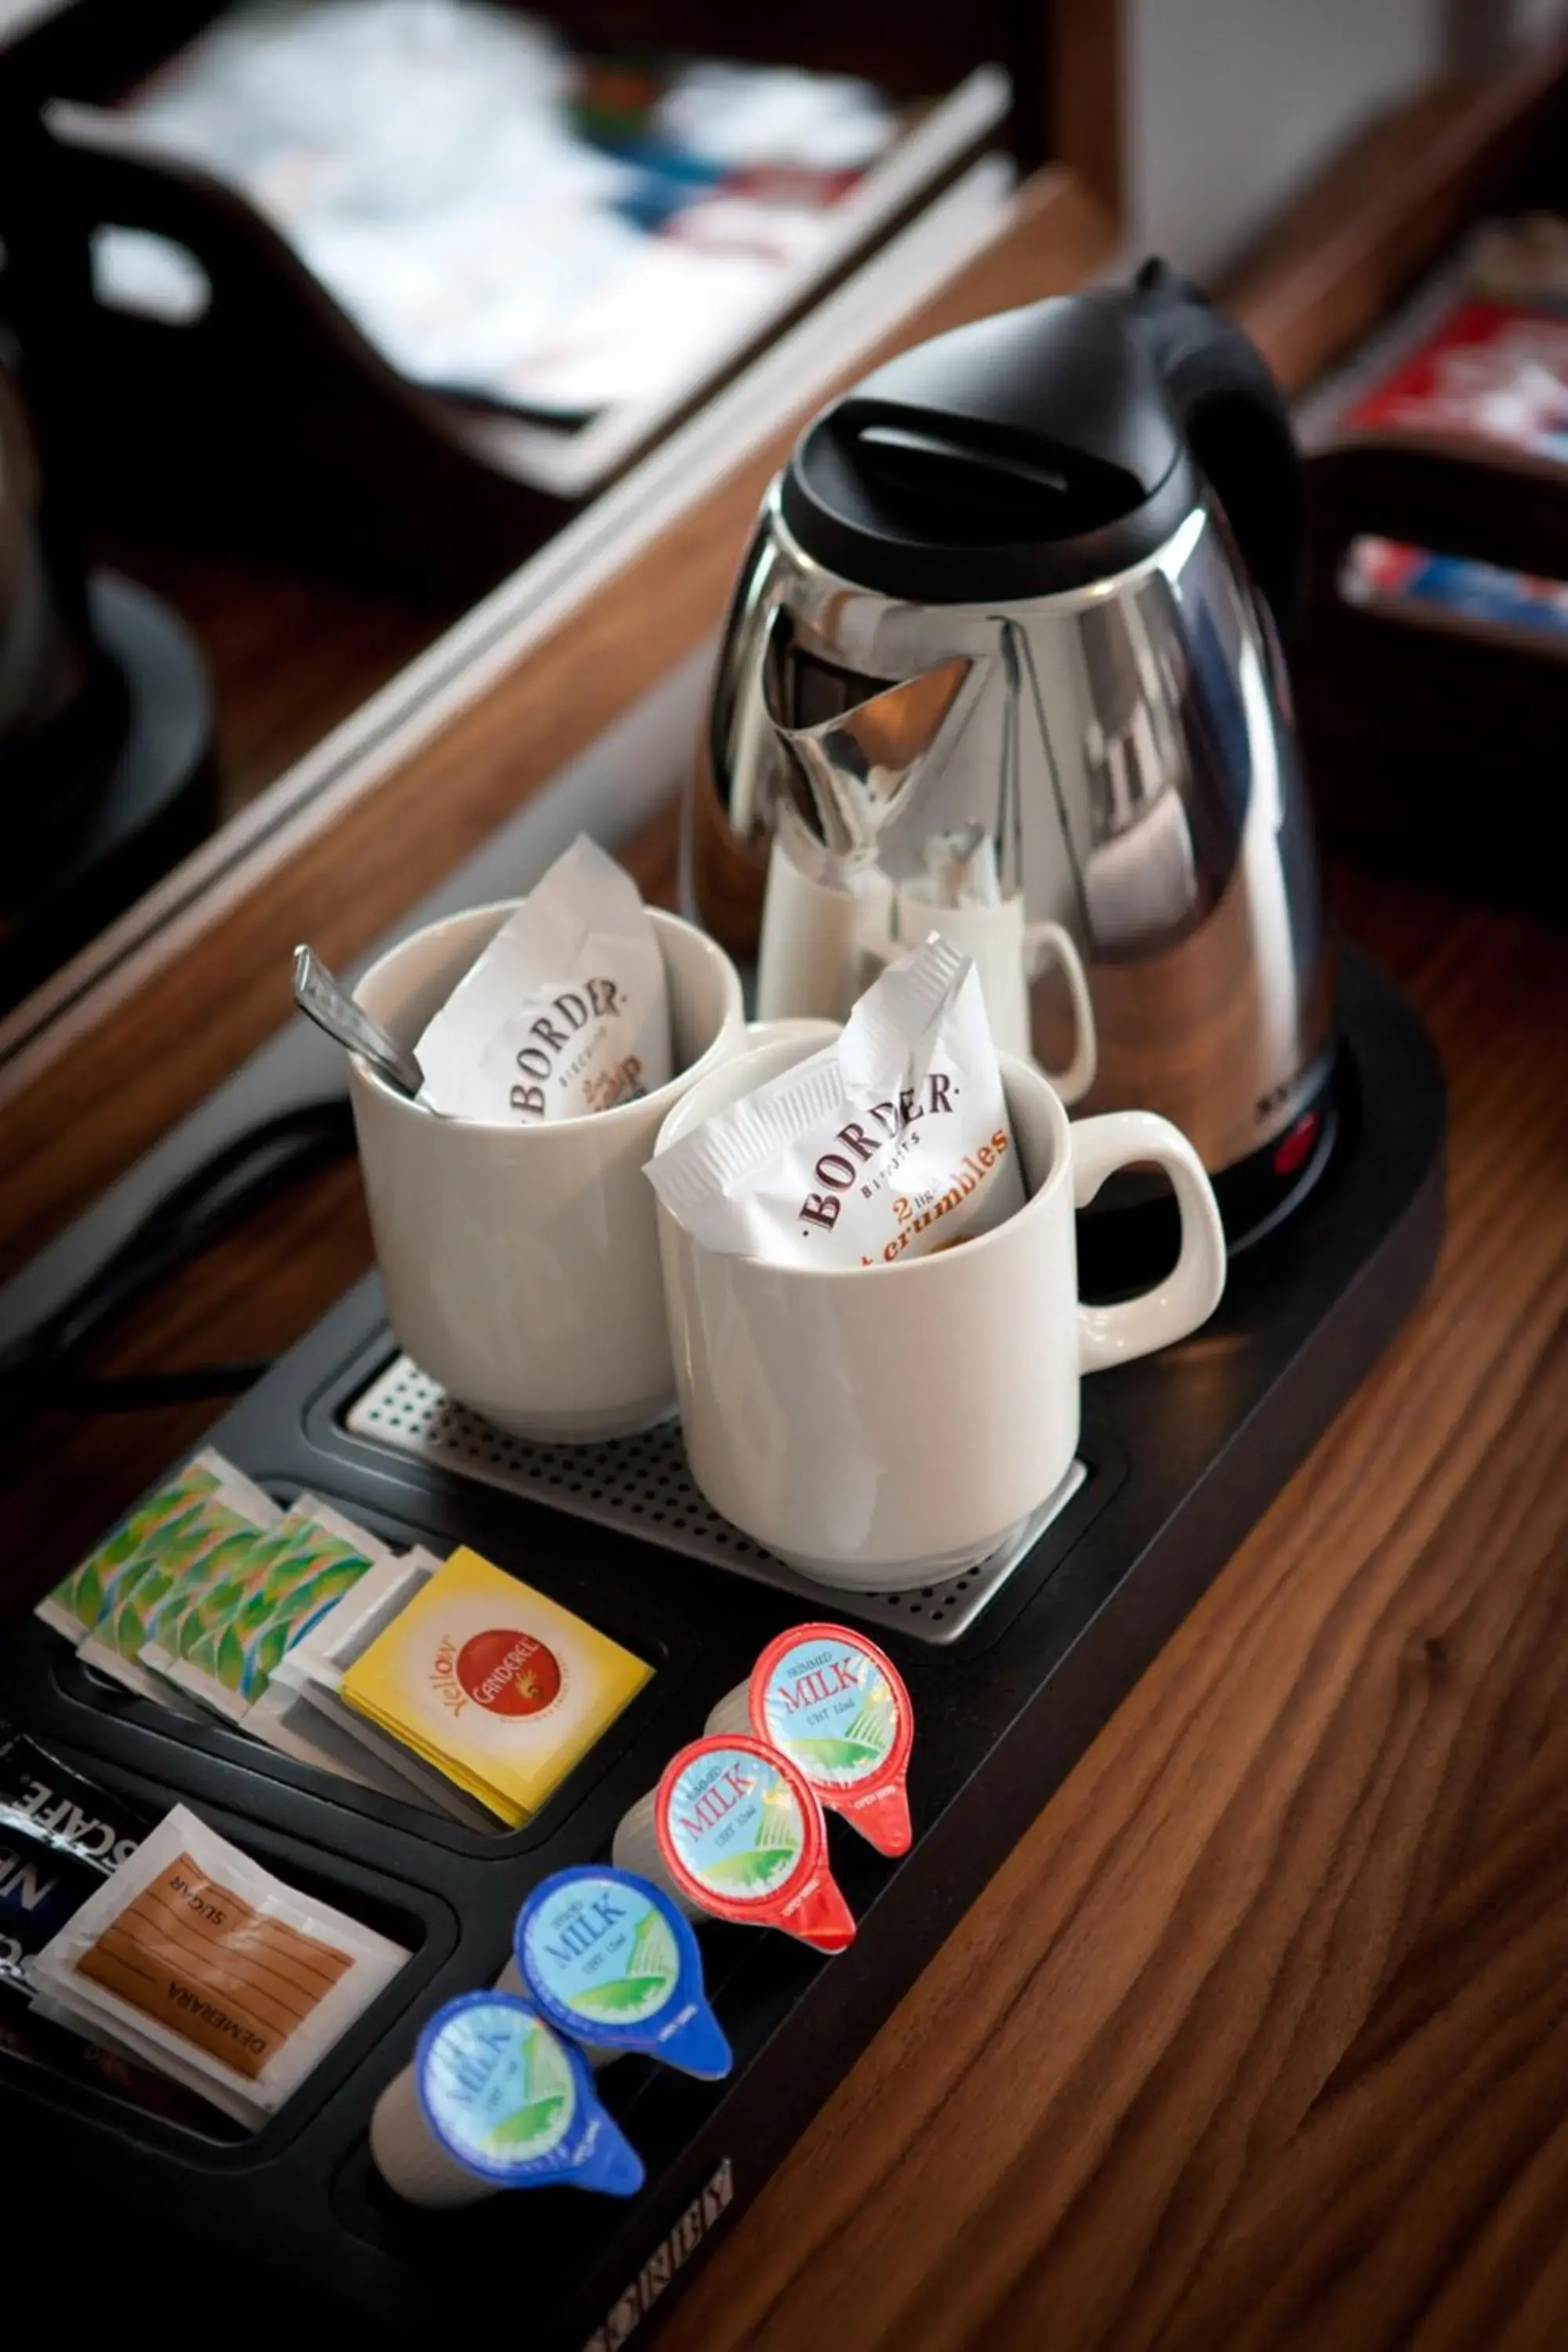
<point x="40" y="1367"/>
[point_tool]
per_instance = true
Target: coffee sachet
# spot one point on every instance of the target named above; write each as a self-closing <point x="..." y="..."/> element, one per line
<point x="567" y="1010"/>
<point x="60" y="1836"/>
<point x="890" y="1143"/>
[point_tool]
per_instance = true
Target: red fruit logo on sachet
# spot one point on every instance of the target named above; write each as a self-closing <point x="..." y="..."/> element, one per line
<point x="509" y="1671"/>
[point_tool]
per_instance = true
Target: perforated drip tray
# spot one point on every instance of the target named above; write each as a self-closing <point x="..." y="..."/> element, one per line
<point x="641" y="1486"/>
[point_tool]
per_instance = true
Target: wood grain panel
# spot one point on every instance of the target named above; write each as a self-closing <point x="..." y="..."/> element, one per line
<point x="1081" y="44"/>
<point x="114" y="1071"/>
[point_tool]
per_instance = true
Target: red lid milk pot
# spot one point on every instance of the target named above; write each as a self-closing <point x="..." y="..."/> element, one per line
<point x="836" y="1705"/>
<point x="733" y="1831"/>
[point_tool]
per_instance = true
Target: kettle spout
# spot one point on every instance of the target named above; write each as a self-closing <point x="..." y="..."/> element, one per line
<point x="859" y="767"/>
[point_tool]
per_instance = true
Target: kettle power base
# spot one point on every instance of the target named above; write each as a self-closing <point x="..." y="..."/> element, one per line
<point x="1182" y="1453"/>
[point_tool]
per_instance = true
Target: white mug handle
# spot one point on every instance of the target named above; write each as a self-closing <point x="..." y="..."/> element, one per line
<point x="1191" y="1291"/>
<point x="1048" y="943"/>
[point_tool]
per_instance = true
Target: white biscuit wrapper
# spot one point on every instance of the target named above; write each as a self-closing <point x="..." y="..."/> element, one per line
<point x="567" y="1010"/>
<point x="889" y="1144"/>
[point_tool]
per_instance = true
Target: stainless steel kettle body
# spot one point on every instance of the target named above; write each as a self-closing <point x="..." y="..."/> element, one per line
<point x="1097" y="787"/>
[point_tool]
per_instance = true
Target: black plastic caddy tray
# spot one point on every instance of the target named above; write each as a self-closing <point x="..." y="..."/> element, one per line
<point x="1181" y="1454"/>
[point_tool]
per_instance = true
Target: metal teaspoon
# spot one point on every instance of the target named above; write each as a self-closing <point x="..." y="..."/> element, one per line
<point x="331" y="1008"/>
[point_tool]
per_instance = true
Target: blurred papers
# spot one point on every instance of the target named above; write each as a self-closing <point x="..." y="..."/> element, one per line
<point x="498" y="216"/>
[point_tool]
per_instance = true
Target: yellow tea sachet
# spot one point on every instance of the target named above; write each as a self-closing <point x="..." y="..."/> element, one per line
<point x="500" y="1688"/>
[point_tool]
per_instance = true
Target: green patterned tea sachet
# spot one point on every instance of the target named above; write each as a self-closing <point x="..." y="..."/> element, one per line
<point x="77" y="1602"/>
<point x="197" y="1609"/>
<point x="203" y="1592"/>
<point x="311" y="1559"/>
<point x="166" y="1542"/>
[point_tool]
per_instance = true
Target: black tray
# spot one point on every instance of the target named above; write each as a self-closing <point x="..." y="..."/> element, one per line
<point x="1183" y="1451"/>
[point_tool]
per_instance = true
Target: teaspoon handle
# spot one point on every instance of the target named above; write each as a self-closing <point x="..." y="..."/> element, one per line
<point x="329" y="1005"/>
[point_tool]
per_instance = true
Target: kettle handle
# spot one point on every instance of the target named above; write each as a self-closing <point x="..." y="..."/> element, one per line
<point x="1231" y="411"/>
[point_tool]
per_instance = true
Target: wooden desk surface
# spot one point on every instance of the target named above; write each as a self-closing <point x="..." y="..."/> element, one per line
<point x="1259" y="2040"/>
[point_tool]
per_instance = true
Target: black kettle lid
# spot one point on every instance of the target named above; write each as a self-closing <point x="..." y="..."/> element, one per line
<point x="1026" y="454"/>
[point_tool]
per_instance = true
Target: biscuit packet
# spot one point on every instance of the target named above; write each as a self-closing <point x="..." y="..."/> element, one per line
<point x="567" y="1010"/>
<point x="890" y="1143"/>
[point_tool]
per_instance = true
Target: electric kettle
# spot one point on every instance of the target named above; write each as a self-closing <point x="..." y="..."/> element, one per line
<point x="1004" y="660"/>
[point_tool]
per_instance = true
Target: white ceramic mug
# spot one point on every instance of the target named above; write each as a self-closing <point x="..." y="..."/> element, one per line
<point x="820" y="946"/>
<point x="520" y="1263"/>
<point x="1008" y="954"/>
<point x="883" y="1427"/>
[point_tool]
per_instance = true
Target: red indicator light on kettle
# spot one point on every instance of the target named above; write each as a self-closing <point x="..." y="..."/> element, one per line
<point x="1293" y="1149"/>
